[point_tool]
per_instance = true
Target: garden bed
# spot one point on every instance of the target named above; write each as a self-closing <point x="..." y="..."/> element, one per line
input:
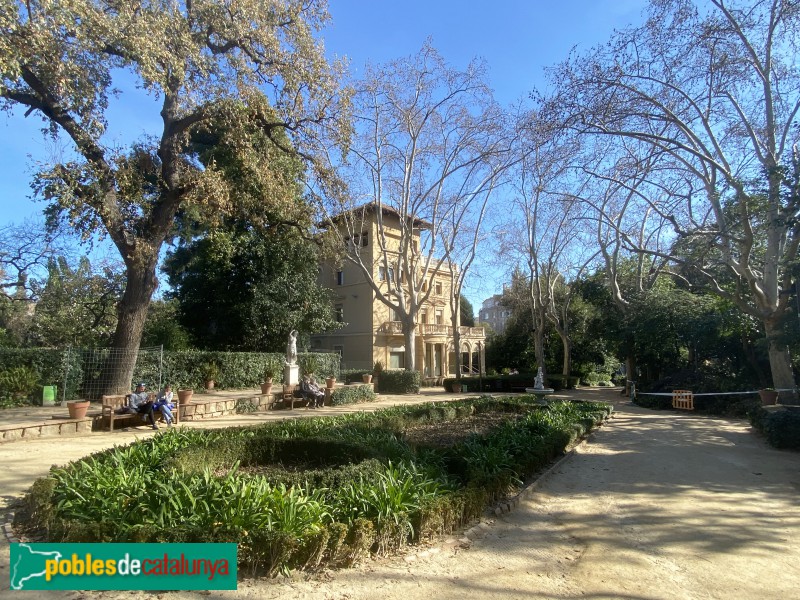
<point x="309" y="492"/>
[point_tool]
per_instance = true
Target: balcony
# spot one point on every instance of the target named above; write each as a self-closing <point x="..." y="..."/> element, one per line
<point x="432" y="330"/>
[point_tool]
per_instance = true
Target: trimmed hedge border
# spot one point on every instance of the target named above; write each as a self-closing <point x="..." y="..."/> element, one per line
<point x="301" y="493"/>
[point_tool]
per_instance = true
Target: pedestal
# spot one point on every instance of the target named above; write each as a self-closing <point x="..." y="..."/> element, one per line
<point x="291" y="375"/>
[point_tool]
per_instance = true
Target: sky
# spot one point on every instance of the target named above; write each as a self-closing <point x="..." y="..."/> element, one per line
<point x="518" y="39"/>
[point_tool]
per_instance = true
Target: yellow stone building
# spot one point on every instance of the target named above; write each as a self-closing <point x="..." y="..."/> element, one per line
<point x="373" y="331"/>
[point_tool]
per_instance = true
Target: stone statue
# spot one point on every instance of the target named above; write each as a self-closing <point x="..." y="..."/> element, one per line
<point x="291" y="348"/>
<point x="538" y="383"/>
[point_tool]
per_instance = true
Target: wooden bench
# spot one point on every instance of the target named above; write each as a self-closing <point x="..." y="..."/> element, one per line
<point x="291" y="394"/>
<point x="112" y="403"/>
<point x="682" y="399"/>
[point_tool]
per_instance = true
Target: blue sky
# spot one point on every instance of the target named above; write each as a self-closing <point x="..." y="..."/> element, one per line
<point x="517" y="38"/>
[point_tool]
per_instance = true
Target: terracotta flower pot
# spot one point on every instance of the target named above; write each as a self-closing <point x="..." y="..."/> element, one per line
<point x="768" y="397"/>
<point x="266" y="388"/>
<point x="185" y="396"/>
<point x="330" y="382"/>
<point x="456" y="387"/>
<point x="209" y="384"/>
<point x="77" y="408"/>
<point x="367" y="378"/>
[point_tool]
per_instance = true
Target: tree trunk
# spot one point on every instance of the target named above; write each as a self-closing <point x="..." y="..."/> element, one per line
<point x="567" y="351"/>
<point x="132" y="313"/>
<point x="630" y="370"/>
<point x="410" y="333"/>
<point x="780" y="363"/>
<point x="457" y="345"/>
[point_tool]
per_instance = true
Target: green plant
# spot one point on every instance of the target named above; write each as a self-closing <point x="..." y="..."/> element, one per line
<point x="273" y="367"/>
<point x="353" y="395"/>
<point x="210" y="370"/>
<point x="18" y="382"/>
<point x="397" y="381"/>
<point x="294" y="493"/>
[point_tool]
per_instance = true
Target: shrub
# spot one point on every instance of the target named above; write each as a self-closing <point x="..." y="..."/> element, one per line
<point x="18" y="382"/>
<point x="353" y="395"/>
<point x="399" y="382"/>
<point x="781" y="426"/>
<point x="295" y="493"/>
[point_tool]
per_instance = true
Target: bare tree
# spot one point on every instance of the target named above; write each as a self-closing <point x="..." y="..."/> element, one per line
<point x="546" y="233"/>
<point x="426" y="150"/>
<point x="25" y="252"/>
<point x="716" y="95"/>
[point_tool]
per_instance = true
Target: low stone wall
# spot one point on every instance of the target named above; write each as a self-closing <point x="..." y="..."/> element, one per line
<point x="56" y="427"/>
<point x="196" y="410"/>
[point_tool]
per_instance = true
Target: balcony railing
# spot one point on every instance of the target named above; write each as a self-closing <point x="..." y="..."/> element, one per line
<point x="429" y="329"/>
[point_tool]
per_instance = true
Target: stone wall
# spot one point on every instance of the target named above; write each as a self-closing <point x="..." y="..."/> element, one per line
<point x="196" y="410"/>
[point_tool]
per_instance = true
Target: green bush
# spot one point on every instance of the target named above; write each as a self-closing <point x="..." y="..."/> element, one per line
<point x="18" y="382"/>
<point x="353" y="395"/>
<point x="302" y="492"/>
<point x="397" y="381"/>
<point x="781" y="427"/>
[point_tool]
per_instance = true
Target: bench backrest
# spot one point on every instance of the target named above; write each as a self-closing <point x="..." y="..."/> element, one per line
<point x="115" y="400"/>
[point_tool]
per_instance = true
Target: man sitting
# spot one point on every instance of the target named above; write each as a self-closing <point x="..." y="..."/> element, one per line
<point x="311" y="392"/>
<point x="139" y="402"/>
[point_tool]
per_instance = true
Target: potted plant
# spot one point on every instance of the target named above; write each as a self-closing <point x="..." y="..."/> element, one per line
<point x="367" y="377"/>
<point x="769" y="396"/>
<point x="77" y="408"/>
<point x="184" y="394"/>
<point x="270" y="374"/>
<point x="210" y="372"/>
<point x="330" y="381"/>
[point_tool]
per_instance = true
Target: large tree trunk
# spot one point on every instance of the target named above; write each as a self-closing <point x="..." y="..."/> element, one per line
<point x="132" y="313"/>
<point x="566" y="345"/>
<point x="780" y="363"/>
<point x="457" y="344"/>
<point x="410" y="334"/>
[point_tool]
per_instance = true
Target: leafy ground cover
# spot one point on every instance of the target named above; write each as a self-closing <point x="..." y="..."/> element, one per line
<point x="300" y="493"/>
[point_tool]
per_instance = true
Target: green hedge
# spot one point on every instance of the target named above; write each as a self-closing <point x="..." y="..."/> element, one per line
<point x="237" y="370"/>
<point x="720" y="406"/>
<point x="396" y="381"/>
<point x="353" y="395"/>
<point x="780" y="426"/>
<point x="507" y="383"/>
<point x="50" y="365"/>
<point x="304" y="492"/>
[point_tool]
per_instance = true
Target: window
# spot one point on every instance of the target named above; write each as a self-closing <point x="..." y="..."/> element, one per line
<point x="339" y="350"/>
<point x="339" y="312"/>
<point x="423" y="317"/>
<point x="424" y="286"/>
<point x="439" y="317"/>
<point x="382" y="274"/>
<point x="339" y="277"/>
<point x="438" y="288"/>
<point x="395" y="315"/>
<point x="358" y="239"/>
<point x="397" y="359"/>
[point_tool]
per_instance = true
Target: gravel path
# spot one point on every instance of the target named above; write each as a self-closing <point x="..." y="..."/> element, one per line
<point x="653" y="505"/>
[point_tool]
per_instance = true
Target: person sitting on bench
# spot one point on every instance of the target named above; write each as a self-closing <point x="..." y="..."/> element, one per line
<point x="164" y="405"/>
<point x="311" y="392"/>
<point x="139" y="402"/>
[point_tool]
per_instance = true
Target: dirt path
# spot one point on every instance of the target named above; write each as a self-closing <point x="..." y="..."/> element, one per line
<point x="654" y="505"/>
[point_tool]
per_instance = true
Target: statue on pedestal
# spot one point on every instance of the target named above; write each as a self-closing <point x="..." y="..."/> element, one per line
<point x="291" y="348"/>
